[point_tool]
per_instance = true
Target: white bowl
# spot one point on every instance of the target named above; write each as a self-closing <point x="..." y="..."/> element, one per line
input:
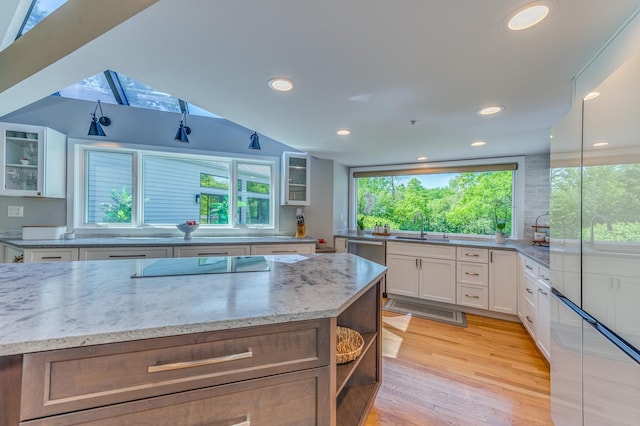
<point x="187" y="229"/>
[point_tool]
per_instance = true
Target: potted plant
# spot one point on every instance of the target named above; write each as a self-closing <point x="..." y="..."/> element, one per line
<point x="500" y="225"/>
<point x="360" y="225"/>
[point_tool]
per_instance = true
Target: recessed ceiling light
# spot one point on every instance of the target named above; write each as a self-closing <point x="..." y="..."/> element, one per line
<point x="478" y="143"/>
<point x="528" y="17"/>
<point x="421" y="158"/>
<point x="343" y="132"/>
<point x="490" y="110"/>
<point x="591" y="95"/>
<point x="281" y="84"/>
<point x="601" y="143"/>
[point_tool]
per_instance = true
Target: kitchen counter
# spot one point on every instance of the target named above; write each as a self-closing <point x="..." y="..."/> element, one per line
<point x="150" y="242"/>
<point x="537" y="253"/>
<point x="46" y="306"/>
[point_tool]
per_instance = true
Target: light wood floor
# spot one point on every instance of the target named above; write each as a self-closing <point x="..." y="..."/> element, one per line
<point x="489" y="373"/>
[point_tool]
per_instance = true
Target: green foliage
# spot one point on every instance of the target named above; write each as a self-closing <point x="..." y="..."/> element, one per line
<point x="360" y="222"/>
<point x="210" y="181"/>
<point x="119" y="210"/>
<point x="471" y="203"/>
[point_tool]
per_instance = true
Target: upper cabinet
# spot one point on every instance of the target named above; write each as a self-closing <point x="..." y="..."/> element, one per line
<point x="33" y="161"/>
<point x="295" y="179"/>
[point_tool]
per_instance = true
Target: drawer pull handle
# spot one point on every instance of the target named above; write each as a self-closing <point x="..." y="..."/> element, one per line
<point x="542" y="291"/>
<point x="475" y="274"/>
<point x="283" y="251"/>
<point x="528" y="267"/>
<point x="472" y="254"/>
<point x="529" y="290"/>
<point x="544" y="278"/>
<point x="126" y="256"/>
<point x="529" y="319"/>
<point x="199" y="363"/>
<point x="472" y="296"/>
<point x="50" y="257"/>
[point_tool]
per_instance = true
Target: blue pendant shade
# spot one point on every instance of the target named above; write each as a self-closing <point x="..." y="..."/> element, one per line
<point x="95" y="128"/>
<point x="183" y="130"/>
<point x="255" y="141"/>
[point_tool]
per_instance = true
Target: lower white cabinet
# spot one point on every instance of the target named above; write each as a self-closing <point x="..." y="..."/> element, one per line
<point x="437" y="280"/>
<point x="51" y="255"/>
<point x="211" y="251"/>
<point x="534" y="303"/>
<point x="402" y="275"/>
<point x="115" y="253"/>
<point x="503" y="281"/>
<point x="341" y="245"/>
<point x="303" y="248"/>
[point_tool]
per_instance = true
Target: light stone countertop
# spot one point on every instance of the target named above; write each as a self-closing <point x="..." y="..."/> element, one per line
<point x="151" y="242"/>
<point x="45" y="306"/>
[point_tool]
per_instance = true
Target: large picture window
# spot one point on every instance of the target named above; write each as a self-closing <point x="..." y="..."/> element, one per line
<point x="135" y="188"/>
<point x="451" y="200"/>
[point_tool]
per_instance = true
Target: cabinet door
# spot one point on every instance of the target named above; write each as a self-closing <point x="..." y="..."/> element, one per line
<point x="340" y="245"/>
<point x="626" y="306"/>
<point x="21" y="160"/>
<point x="115" y="253"/>
<point x="295" y="179"/>
<point x="402" y="275"/>
<point x="210" y="251"/>
<point x="503" y="288"/>
<point x="543" y="327"/>
<point x="437" y="280"/>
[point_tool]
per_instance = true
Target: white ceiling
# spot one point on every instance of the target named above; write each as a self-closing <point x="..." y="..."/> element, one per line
<point x="371" y="66"/>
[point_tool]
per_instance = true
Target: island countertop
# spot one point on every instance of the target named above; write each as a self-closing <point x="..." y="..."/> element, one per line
<point x="45" y="306"/>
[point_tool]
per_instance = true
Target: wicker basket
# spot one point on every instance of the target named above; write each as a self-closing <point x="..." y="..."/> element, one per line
<point x="349" y="345"/>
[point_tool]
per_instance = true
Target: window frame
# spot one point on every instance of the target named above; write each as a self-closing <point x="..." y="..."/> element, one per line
<point x="517" y="212"/>
<point x="77" y="188"/>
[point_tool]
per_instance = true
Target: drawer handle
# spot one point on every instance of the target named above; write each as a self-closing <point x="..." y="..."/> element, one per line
<point x="126" y="256"/>
<point x="542" y="291"/>
<point x="529" y="290"/>
<point x="544" y="278"/>
<point x="475" y="274"/>
<point x="529" y="319"/>
<point x="199" y="363"/>
<point x="283" y="251"/>
<point x="528" y="267"/>
<point x="50" y="257"/>
<point x="472" y="296"/>
<point x="471" y="254"/>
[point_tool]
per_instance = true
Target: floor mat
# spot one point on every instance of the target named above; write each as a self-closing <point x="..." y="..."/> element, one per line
<point x="434" y="313"/>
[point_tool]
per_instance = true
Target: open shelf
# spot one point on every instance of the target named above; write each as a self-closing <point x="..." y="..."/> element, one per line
<point x="344" y="371"/>
<point x="354" y="402"/>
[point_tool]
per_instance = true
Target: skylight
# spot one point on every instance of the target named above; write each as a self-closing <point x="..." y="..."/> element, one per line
<point x="40" y="9"/>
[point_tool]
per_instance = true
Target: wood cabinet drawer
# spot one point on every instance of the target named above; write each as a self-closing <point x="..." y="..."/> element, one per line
<point x="473" y="295"/>
<point x="470" y="254"/>
<point x="74" y="379"/>
<point x="51" y="255"/>
<point x="300" y="398"/>
<point x="283" y="249"/>
<point x="115" y="253"/>
<point x="473" y="273"/>
<point x="210" y="251"/>
<point x="432" y="251"/>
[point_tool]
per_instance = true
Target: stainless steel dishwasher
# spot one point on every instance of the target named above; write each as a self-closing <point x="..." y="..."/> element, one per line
<point x="373" y="250"/>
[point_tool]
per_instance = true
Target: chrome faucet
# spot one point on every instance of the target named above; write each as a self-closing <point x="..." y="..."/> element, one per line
<point x="415" y="218"/>
<point x="593" y="222"/>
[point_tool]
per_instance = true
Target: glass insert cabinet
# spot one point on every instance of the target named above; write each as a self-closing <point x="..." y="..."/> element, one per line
<point x="33" y="161"/>
<point x="295" y="179"/>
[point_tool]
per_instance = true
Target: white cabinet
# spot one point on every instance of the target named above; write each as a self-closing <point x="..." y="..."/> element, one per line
<point x="51" y="255"/>
<point x="472" y="288"/>
<point x="341" y="245"/>
<point x="211" y="251"/>
<point x="33" y="161"/>
<point x="534" y="303"/>
<point x="503" y="281"/>
<point x="306" y="248"/>
<point x="295" y="179"/>
<point x="427" y="271"/>
<point x="115" y="253"/>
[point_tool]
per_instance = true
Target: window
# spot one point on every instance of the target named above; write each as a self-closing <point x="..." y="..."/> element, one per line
<point x="136" y="188"/>
<point x="454" y="200"/>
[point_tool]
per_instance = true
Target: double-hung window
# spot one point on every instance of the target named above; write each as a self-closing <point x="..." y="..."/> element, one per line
<point x="129" y="188"/>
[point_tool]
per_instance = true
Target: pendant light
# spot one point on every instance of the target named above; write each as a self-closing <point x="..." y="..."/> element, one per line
<point x="95" y="128"/>
<point x="255" y="141"/>
<point x="183" y="129"/>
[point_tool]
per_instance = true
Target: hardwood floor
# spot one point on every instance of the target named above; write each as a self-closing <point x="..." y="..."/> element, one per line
<point x="489" y="373"/>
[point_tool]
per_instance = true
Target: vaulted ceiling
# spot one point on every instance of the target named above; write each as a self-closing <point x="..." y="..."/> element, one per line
<point x="372" y="66"/>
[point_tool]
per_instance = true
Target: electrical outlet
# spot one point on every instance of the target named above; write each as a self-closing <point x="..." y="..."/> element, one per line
<point x="15" y="211"/>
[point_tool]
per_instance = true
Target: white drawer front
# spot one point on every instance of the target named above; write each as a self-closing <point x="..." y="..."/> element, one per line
<point x="472" y="295"/>
<point x="530" y="267"/>
<point x="51" y="255"/>
<point x="470" y="254"/>
<point x="115" y="253"/>
<point x="210" y="251"/>
<point x="283" y="249"/>
<point x="473" y="273"/>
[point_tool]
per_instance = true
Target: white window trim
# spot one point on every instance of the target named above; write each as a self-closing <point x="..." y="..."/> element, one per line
<point x="76" y="175"/>
<point x="517" y="213"/>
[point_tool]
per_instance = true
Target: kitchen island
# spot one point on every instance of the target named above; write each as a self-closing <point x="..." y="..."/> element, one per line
<point x="86" y="342"/>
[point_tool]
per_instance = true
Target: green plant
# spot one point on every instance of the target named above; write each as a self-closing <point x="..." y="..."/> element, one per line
<point x="118" y="211"/>
<point x="360" y="222"/>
